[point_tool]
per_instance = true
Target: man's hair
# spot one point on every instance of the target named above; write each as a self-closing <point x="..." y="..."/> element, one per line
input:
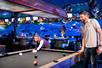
<point x="85" y="13"/>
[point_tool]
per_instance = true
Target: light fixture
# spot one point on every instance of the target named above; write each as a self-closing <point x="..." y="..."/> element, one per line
<point x="35" y="18"/>
<point x="6" y="20"/>
<point x="69" y="15"/>
<point x="28" y="18"/>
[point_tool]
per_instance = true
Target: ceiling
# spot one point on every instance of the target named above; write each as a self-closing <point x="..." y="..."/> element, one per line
<point x="77" y="5"/>
<point x="63" y="3"/>
<point x="13" y="7"/>
<point x="41" y="14"/>
<point x="5" y="5"/>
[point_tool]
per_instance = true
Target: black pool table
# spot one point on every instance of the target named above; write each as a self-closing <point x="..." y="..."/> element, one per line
<point x="44" y="57"/>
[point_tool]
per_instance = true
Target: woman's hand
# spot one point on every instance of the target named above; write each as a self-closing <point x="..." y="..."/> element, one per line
<point x="34" y="50"/>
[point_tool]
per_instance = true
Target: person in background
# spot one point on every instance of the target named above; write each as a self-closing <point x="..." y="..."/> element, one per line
<point x="63" y="31"/>
<point x="23" y="34"/>
<point x="23" y="39"/>
<point x="89" y="39"/>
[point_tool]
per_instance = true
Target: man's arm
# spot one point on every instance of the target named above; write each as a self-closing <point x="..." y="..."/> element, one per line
<point x="99" y="50"/>
<point x="83" y="44"/>
<point x="98" y="29"/>
<point x="100" y="36"/>
<point x="83" y="39"/>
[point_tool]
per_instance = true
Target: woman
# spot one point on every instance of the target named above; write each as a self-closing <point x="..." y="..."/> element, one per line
<point x="38" y="43"/>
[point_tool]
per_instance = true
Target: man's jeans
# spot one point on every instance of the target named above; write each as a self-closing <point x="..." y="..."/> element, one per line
<point x="90" y="56"/>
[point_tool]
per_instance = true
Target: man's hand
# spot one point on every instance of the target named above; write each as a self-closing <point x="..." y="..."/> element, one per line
<point x="82" y="50"/>
<point x="100" y="44"/>
<point x="99" y="50"/>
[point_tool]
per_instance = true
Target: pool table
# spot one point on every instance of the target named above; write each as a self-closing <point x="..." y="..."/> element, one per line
<point x="46" y="59"/>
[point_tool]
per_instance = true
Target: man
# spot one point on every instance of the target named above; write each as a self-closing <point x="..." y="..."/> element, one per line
<point x="89" y="38"/>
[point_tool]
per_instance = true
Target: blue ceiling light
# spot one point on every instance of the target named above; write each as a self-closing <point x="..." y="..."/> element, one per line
<point x="5" y="14"/>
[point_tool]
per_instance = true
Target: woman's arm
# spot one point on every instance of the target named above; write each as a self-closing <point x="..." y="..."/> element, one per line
<point x="40" y="45"/>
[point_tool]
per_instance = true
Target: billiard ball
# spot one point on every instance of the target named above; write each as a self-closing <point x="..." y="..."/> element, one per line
<point x="36" y="56"/>
<point x="35" y="63"/>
